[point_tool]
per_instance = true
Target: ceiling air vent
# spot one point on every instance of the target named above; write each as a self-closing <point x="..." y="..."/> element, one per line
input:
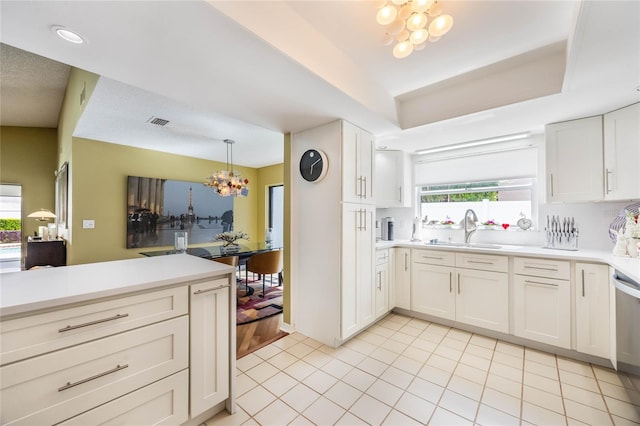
<point x="158" y="121"/>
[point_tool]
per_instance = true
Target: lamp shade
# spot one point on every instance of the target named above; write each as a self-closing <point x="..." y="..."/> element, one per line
<point x="42" y="215"/>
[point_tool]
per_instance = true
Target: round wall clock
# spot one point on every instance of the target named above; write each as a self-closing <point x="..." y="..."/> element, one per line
<point x="313" y="165"/>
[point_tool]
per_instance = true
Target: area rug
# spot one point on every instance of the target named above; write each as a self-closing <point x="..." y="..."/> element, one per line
<point x="252" y="307"/>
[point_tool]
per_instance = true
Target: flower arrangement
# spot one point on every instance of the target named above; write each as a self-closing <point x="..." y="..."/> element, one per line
<point x="632" y="227"/>
<point x="231" y="237"/>
<point x="490" y="222"/>
<point x="447" y="221"/>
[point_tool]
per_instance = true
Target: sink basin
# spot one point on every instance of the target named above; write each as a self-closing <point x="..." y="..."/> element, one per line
<point x="465" y="245"/>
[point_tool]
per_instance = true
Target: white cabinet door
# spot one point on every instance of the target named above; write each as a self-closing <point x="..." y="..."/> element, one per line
<point x="542" y="310"/>
<point x="574" y="160"/>
<point x="592" y="310"/>
<point x="358" y="284"/>
<point x="482" y="299"/>
<point x="209" y="344"/>
<point x="357" y="164"/>
<point x="622" y="153"/>
<point x="393" y="179"/>
<point x="382" y="289"/>
<point x="402" y="278"/>
<point x="432" y="290"/>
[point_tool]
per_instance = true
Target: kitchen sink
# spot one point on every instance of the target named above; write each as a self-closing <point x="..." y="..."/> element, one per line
<point x="466" y="245"/>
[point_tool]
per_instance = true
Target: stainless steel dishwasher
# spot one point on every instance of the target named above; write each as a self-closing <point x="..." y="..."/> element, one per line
<point x="627" y="323"/>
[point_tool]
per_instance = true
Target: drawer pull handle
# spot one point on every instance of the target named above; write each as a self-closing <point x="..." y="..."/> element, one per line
<point x="540" y="268"/>
<point x="207" y="290"/>
<point x="97" y="376"/>
<point x="87" y="324"/>
<point x="431" y="257"/>
<point x="482" y="263"/>
<point x="538" y="282"/>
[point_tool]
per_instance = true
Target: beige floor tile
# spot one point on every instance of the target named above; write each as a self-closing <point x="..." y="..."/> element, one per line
<point x="323" y="412"/>
<point x="431" y="337"/>
<point x="262" y="372"/>
<point x="620" y="421"/>
<point x="583" y="396"/>
<point x="300" y="370"/>
<point x="507" y="359"/>
<point x="579" y="380"/>
<point x="402" y="337"/>
<point x="542" y="383"/>
<point x="417" y="354"/>
<point x="279" y="384"/>
<point x="361" y="346"/>
<point x="276" y="414"/>
<point x="349" y="419"/>
<point x="543" y="399"/>
<point x="587" y="414"/>
<point x="550" y="372"/>
<point x="415" y="407"/>
<point x="442" y="363"/>
<point x="289" y="341"/>
<point x="439" y="329"/>
<point x="384" y="392"/>
<point x="373" y="366"/>
<point x="298" y="337"/>
<point x="223" y="418"/>
<point x="248" y="361"/>
<point x="407" y="364"/>
<point x="623" y="409"/>
<point x="268" y="351"/>
<point x="411" y="330"/>
<point x="382" y="331"/>
<point x="504" y="385"/>
<point x="312" y="342"/>
<point x="426" y="390"/>
<point x="359" y="379"/>
<point x="450" y="341"/>
<point x="479" y="351"/>
<point x="459" y="404"/>
<point x="505" y="371"/>
<point x="385" y="355"/>
<point x="476" y="361"/>
<point x="510" y="349"/>
<point x="442" y="417"/>
<point x="350" y="356"/>
<point x="424" y="345"/>
<point x="397" y="377"/>
<point x="373" y="338"/>
<point x="317" y="358"/>
<point x="395" y="346"/>
<point x="540" y="357"/>
<point x="418" y="323"/>
<point x="370" y="410"/>
<point x="281" y="360"/>
<point x="488" y="416"/>
<point x="541" y="416"/>
<point x="392" y="325"/>
<point x="463" y="336"/>
<point x="251" y="422"/>
<point x="619" y="392"/>
<point x="434" y="375"/>
<point x="485" y="342"/>
<point x="255" y="400"/>
<point x="470" y="373"/>
<point x="244" y="384"/>
<point x="300" y="397"/>
<point x="301" y="421"/>
<point x="396" y="418"/>
<point x="337" y="368"/>
<point x="447" y="352"/>
<point x="501" y="401"/>
<point x="343" y="394"/>
<point x="610" y="376"/>
<point x="574" y="366"/>
<point x="320" y="381"/>
<point x="465" y="387"/>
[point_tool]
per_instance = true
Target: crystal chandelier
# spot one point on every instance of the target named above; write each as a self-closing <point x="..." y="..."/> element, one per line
<point x="406" y="23"/>
<point x="228" y="183"/>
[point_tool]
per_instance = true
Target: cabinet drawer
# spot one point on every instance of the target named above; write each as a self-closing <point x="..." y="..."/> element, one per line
<point x="382" y="256"/>
<point x="483" y="262"/>
<point x="38" y="334"/>
<point x="434" y="257"/>
<point x="57" y="386"/>
<point x="161" y="403"/>
<point x="548" y="268"/>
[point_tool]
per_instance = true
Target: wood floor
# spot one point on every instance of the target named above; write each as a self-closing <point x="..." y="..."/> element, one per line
<point x="253" y="336"/>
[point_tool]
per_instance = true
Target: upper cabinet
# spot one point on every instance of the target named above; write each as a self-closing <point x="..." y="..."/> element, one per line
<point x="622" y="153"/>
<point x="357" y="164"/>
<point x="393" y="179"/>
<point x="574" y="160"/>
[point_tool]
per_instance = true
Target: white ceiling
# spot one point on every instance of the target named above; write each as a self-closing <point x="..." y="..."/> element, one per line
<point x="254" y="70"/>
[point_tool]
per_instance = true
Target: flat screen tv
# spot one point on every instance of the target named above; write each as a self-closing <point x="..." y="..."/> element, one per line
<point x="156" y="208"/>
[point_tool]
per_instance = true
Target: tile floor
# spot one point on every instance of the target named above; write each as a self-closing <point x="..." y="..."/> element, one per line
<point x="405" y="371"/>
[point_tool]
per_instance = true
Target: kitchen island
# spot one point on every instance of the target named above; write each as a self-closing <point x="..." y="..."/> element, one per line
<point x="150" y="339"/>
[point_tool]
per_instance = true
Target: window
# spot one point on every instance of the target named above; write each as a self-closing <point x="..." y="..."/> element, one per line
<point x="276" y="214"/>
<point x="500" y="201"/>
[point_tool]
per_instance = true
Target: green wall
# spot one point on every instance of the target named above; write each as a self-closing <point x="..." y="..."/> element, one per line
<point x="28" y="156"/>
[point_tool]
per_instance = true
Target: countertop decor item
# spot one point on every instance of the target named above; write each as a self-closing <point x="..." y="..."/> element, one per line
<point x="562" y="234"/>
<point x="228" y="183"/>
<point x="524" y="223"/>
<point x="231" y="237"/>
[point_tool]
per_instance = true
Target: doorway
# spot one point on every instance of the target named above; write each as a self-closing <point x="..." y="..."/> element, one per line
<point x="10" y="228"/>
<point x="276" y="214"/>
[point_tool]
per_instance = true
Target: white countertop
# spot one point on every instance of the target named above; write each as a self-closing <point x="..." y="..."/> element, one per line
<point x="45" y="288"/>
<point x="627" y="265"/>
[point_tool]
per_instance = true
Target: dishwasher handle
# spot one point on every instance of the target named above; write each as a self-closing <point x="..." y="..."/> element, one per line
<point x="632" y="289"/>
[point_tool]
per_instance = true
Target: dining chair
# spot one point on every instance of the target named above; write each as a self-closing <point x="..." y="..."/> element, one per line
<point x="230" y="260"/>
<point x="266" y="263"/>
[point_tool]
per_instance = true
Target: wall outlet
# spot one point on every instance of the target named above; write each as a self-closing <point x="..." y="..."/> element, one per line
<point x="88" y="224"/>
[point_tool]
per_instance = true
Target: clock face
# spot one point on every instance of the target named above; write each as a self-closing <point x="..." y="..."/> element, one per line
<point x="313" y="165"/>
<point x="524" y="223"/>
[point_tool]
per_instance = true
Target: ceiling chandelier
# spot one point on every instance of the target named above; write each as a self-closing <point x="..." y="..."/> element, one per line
<point x="406" y="24"/>
<point x="228" y="183"/>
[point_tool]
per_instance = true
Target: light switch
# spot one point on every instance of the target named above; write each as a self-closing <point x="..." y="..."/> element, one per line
<point x="88" y="224"/>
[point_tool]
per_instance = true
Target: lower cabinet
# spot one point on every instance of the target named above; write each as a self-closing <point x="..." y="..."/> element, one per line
<point x="382" y="282"/>
<point x="209" y="344"/>
<point x="432" y="290"/>
<point x="482" y="299"/>
<point x="402" y="278"/>
<point x="593" y="321"/>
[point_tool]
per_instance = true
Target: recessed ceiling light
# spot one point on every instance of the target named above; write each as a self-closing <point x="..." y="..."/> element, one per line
<point x="68" y="35"/>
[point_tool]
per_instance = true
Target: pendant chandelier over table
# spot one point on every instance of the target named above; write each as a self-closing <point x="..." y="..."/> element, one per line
<point x="228" y="183"/>
<point x="406" y="24"/>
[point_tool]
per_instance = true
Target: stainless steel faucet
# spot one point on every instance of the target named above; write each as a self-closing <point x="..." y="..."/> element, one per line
<point x="468" y="231"/>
